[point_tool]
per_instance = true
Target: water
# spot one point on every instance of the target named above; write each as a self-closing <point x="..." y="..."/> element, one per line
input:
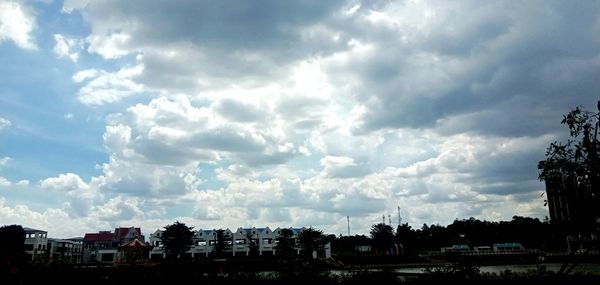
<point x="555" y="267"/>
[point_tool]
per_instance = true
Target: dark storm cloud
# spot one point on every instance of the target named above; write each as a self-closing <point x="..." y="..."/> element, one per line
<point x="231" y="25"/>
<point x="505" y="73"/>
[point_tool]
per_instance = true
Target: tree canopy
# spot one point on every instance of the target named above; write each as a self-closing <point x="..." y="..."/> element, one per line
<point x="177" y="239"/>
<point x="574" y="167"/>
<point x="311" y="240"/>
<point x="222" y="242"/>
<point x="382" y="237"/>
<point x="12" y="245"/>
<point x="285" y="247"/>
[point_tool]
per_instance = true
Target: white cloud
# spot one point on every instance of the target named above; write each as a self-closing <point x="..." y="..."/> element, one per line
<point x="4" y="161"/>
<point x="80" y="196"/>
<point x="67" y="47"/>
<point x="318" y="112"/>
<point x="4" y="182"/>
<point x="83" y="75"/>
<point x="342" y="167"/>
<point x="104" y="87"/>
<point x="70" y="5"/>
<point x="57" y="222"/>
<point x="110" y="47"/>
<point x="64" y="182"/>
<point x="16" y="24"/>
<point x="119" y="209"/>
<point x="4" y="123"/>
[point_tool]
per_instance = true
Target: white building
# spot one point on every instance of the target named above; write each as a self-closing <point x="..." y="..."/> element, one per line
<point x="35" y="243"/>
<point x="65" y="250"/>
<point x="239" y="243"/>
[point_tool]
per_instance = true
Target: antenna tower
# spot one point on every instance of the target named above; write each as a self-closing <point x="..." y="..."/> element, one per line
<point x="399" y="217"/>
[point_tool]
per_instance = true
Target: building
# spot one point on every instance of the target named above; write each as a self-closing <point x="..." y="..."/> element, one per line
<point x="508" y="247"/>
<point x="65" y="250"/>
<point x="36" y="242"/>
<point x="104" y="246"/>
<point x="242" y="242"/>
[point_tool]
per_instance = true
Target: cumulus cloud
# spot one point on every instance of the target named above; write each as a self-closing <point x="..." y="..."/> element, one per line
<point x="16" y="24"/>
<point x="4" y="161"/>
<point x="341" y="167"/>
<point x="80" y="195"/>
<point x="67" y="47"/>
<point x="459" y="74"/>
<point x="304" y="113"/>
<point x="102" y="87"/>
<point x="4" y="182"/>
<point x="4" y="123"/>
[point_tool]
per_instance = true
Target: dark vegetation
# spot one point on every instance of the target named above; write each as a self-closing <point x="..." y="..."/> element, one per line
<point x="291" y="267"/>
<point x="573" y="168"/>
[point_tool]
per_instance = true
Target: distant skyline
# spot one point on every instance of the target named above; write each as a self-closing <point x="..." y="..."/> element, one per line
<point x="284" y="113"/>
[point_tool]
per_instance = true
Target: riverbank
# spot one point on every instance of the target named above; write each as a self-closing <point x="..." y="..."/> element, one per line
<point x="299" y="273"/>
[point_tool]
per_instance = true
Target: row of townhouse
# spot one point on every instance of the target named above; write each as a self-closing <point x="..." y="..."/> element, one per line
<point x="128" y="244"/>
<point x="237" y="243"/>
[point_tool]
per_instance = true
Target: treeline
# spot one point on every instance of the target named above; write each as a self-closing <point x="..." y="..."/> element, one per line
<point x="530" y="232"/>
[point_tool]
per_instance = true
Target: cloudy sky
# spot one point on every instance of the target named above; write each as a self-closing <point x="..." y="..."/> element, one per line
<point x="284" y="113"/>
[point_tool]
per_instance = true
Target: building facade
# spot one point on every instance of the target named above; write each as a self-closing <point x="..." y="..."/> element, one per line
<point x="242" y="242"/>
<point x="103" y="246"/>
<point x="65" y="250"/>
<point x="36" y="242"/>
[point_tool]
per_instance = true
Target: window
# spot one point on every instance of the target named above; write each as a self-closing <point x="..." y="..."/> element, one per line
<point x="212" y="242"/>
<point x="29" y="247"/>
<point x="202" y="243"/>
<point x="266" y="241"/>
<point x="107" y="257"/>
<point x="240" y="241"/>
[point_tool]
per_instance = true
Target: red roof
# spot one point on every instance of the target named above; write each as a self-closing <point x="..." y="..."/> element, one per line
<point x="98" y="236"/>
<point x="136" y="243"/>
<point x="122" y="232"/>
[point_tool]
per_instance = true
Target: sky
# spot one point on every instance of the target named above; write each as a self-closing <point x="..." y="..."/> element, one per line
<point x="227" y="114"/>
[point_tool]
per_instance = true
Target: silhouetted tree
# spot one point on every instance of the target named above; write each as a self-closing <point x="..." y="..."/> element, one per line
<point x="12" y="246"/>
<point x="177" y="239"/>
<point x="252" y="244"/>
<point x="309" y="241"/>
<point x="406" y="237"/>
<point x="222" y="242"/>
<point x="382" y="237"/>
<point x="285" y="247"/>
<point x="575" y="166"/>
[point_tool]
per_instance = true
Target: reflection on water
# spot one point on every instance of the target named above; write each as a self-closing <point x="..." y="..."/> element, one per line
<point x="580" y="268"/>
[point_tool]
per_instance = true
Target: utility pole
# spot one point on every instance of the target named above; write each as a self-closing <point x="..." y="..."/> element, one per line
<point x="399" y="217"/>
<point x="383" y="219"/>
<point x="348" y="218"/>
